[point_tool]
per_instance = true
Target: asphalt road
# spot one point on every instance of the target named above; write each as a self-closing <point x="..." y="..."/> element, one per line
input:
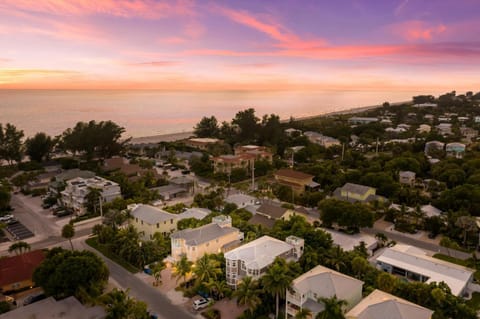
<point x="157" y="302"/>
<point x="399" y="238"/>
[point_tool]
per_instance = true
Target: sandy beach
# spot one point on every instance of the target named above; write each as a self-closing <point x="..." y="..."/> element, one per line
<point x="184" y="135"/>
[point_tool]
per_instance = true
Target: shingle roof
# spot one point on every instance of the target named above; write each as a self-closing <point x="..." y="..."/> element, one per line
<point x="19" y="268"/>
<point x="273" y="211"/>
<point x="203" y="234"/>
<point x="379" y="303"/>
<point x="151" y="215"/>
<point x="292" y="174"/>
<point x="262" y="220"/>
<point x="327" y="283"/>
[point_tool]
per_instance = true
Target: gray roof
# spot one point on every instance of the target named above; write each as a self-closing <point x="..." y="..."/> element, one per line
<point x="241" y="200"/>
<point x="152" y="215"/>
<point x="195" y="212"/>
<point x="355" y="188"/>
<point x="74" y="173"/>
<point x="327" y="283"/>
<point x="169" y="189"/>
<point x="262" y="220"/>
<point x="203" y="234"/>
<point x="48" y="308"/>
<point x="182" y="180"/>
<point x="273" y="211"/>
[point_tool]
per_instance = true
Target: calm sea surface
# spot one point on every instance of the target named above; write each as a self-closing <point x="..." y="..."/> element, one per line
<point x="146" y="113"/>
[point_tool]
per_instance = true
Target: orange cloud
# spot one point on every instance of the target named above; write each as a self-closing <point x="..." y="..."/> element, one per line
<point x="415" y="30"/>
<point x="156" y="63"/>
<point x="149" y="9"/>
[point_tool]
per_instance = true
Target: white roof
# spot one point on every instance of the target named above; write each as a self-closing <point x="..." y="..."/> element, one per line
<point x="259" y="253"/>
<point x="380" y="305"/>
<point x="195" y="212"/>
<point x="151" y="215"/>
<point x="327" y="283"/>
<point x="241" y="200"/>
<point x="204" y="140"/>
<point x="348" y="242"/>
<point x="416" y="260"/>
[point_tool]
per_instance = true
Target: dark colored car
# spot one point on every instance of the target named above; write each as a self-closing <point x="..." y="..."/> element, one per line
<point x="33" y="298"/>
<point x="64" y="213"/>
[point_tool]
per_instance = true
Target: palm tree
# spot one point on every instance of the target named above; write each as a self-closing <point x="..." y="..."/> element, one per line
<point x="335" y="258"/>
<point x="68" y="231"/>
<point x="20" y="247"/>
<point x="218" y="288"/>
<point x="157" y="272"/>
<point x="93" y="197"/>
<point x="303" y="313"/>
<point x="181" y="268"/>
<point x="276" y="281"/>
<point x="333" y="308"/>
<point x="247" y="293"/>
<point x="206" y="269"/>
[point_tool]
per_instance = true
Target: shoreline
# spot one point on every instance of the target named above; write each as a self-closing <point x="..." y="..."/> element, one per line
<point x="172" y="137"/>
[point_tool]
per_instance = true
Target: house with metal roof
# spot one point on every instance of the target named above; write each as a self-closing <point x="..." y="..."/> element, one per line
<point x="150" y="220"/>
<point x="216" y="237"/>
<point x="378" y="304"/>
<point x="16" y="272"/>
<point x="413" y="264"/>
<point x="253" y="259"/>
<point x="321" y="282"/>
<point x="357" y="193"/>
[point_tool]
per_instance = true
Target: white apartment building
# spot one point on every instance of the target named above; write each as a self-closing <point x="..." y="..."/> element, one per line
<point x="77" y="189"/>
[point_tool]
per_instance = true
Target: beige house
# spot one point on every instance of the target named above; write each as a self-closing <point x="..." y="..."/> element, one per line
<point x="150" y="220"/>
<point x="298" y="181"/>
<point x="406" y="177"/>
<point x="378" y="304"/>
<point x="216" y="237"/>
<point x="321" y="282"/>
<point x="357" y="193"/>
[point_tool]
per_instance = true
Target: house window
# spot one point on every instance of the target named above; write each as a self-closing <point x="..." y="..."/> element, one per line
<point x="142" y="222"/>
<point x="158" y="225"/>
<point x="136" y="220"/>
<point x="164" y="222"/>
<point x="234" y="263"/>
<point x="243" y="266"/>
<point x="171" y="221"/>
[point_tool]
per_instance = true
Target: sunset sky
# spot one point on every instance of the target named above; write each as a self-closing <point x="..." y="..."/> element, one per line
<point x="236" y="45"/>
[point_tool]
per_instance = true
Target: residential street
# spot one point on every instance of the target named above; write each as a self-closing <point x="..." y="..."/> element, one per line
<point x="157" y="302"/>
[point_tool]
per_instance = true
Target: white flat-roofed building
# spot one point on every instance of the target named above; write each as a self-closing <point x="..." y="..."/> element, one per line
<point x="218" y="236"/>
<point x="423" y="105"/>
<point x="455" y="149"/>
<point x="414" y="264"/>
<point x="321" y="282"/>
<point x="76" y="190"/>
<point x="202" y="143"/>
<point x="380" y="305"/>
<point x="349" y="242"/>
<point x="320" y="139"/>
<point x="406" y="177"/>
<point x="362" y="120"/>
<point x="241" y="200"/>
<point x="253" y="258"/>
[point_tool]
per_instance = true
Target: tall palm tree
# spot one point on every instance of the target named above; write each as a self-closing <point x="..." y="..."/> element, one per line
<point x="207" y="268"/>
<point x="335" y="258"/>
<point x="247" y="293"/>
<point x="303" y="313"/>
<point x="68" y="231"/>
<point x="181" y="268"/>
<point x="20" y="247"/>
<point x="93" y="197"/>
<point x="276" y="281"/>
<point x="333" y="308"/>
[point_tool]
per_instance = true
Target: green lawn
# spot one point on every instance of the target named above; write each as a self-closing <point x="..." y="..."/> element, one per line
<point x="475" y="301"/>
<point x="92" y="242"/>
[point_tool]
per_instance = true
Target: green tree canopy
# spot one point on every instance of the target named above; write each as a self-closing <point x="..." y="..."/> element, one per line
<point x="207" y="127"/>
<point x="66" y="273"/>
<point x="11" y="143"/>
<point x="119" y="305"/>
<point x="39" y="147"/>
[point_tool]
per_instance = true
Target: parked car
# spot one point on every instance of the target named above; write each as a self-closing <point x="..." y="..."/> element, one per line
<point x="64" y="213"/>
<point x="6" y="217"/>
<point x="201" y="303"/>
<point x="33" y="298"/>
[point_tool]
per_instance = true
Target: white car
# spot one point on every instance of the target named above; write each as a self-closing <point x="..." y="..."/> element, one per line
<point x="201" y="303"/>
<point x="6" y="218"/>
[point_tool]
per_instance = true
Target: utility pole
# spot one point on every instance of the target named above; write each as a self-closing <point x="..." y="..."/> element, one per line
<point x="376" y="148"/>
<point x="343" y="151"/>
<point x="253" y="174"/>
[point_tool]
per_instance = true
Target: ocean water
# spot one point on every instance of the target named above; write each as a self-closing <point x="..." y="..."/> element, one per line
<point x="151" y="112"/>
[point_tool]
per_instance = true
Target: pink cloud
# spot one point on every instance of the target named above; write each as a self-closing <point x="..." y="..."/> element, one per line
<point x="156" y="63"/>
<point x="149" y="9"/>
<point x="414" y="30"/>
<point x="173" y="40"/>
<point x="284" y="37"/>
